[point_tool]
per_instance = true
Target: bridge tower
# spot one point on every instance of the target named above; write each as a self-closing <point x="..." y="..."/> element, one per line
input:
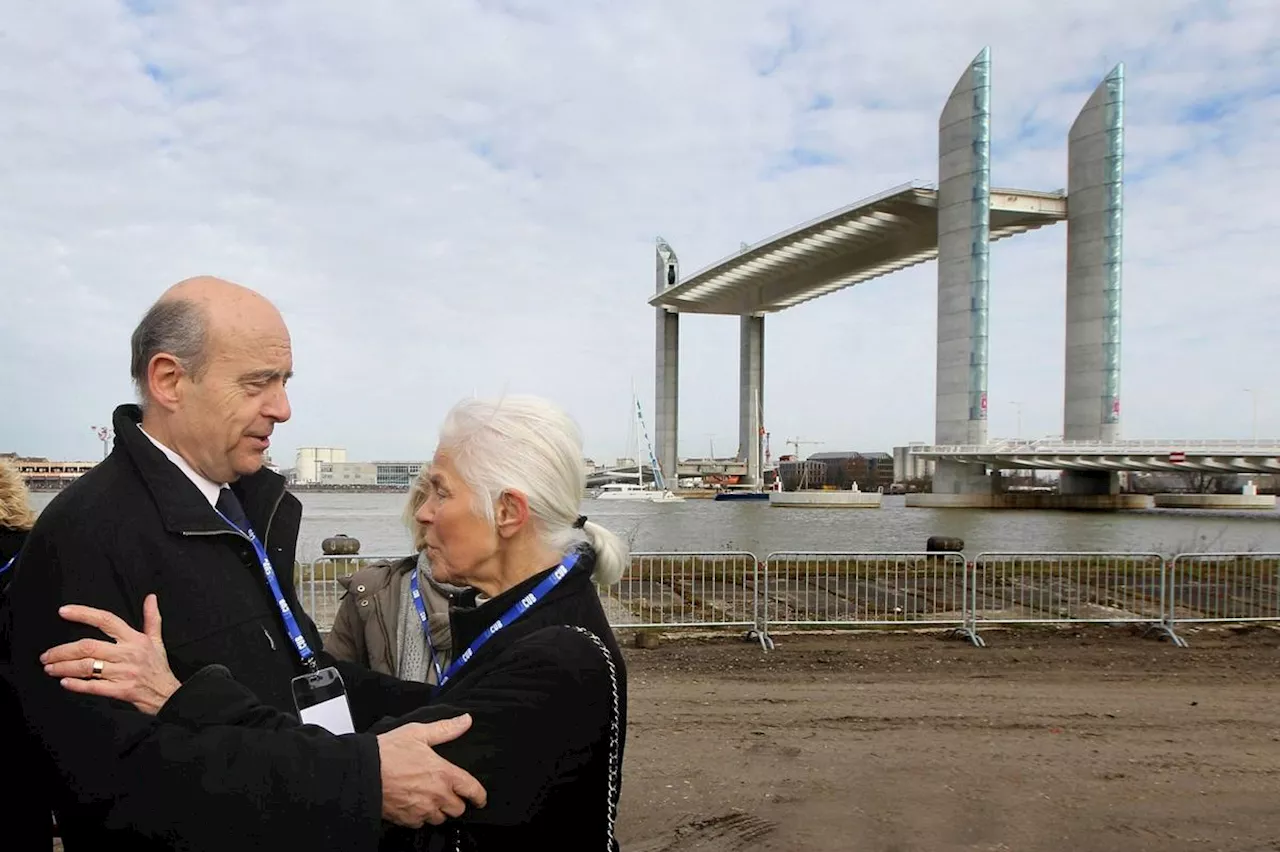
<point x="1095" y="236"/>
<point x="964" y="230"/>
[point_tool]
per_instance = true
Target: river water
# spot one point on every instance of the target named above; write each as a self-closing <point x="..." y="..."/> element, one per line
<point x="705" y="525"/>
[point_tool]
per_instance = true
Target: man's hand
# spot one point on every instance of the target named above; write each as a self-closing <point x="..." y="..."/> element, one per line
<point x="133" y="668"/>
<point x="420" y="786"/>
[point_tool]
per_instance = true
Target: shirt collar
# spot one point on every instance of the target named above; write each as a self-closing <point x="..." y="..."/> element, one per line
<point x="208" y="488"/>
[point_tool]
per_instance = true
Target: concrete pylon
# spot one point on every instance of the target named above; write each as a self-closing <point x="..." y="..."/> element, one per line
<point x="1095" y="248"/>
<point x="751" y="396"/>
<point x="666" y="409"/>
<point x="964" y="230"/>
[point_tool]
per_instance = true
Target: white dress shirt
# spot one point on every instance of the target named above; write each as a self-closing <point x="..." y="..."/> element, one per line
<point x="208" y="488"/>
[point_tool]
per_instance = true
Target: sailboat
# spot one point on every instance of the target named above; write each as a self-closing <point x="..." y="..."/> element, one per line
<point x="656" y="492"/>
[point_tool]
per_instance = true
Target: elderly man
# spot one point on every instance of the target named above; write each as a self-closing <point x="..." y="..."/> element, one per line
<point x="184" y="509"/>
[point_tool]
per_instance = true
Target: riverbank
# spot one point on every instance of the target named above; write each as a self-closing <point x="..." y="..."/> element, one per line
<point x="1090" y="739"/>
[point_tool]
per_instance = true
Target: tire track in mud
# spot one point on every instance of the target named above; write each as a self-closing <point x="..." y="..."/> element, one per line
<point x="734" y="831"/>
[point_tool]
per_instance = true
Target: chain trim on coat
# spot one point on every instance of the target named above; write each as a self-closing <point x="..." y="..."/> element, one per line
<point x="611" y="806"/>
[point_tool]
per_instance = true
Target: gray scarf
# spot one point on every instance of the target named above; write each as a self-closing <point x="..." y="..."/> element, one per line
<point x="411" y="661"/>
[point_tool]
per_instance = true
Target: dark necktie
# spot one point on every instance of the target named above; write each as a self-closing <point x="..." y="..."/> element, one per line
<point x="229" y="506"/>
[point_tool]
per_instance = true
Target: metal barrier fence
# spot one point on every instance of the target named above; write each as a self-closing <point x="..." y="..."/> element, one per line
<point x="864" y="589"/>
<point x="318" y="588"/>
<point x="1206" y="588"/>
<point x="658" y="590"/>
<point x="850" y="589"/>
<point x="690" y="590"/>
<point x="1070" y="588"/>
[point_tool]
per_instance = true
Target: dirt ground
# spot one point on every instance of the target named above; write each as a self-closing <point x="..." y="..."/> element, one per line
<point x="1082" y="740"/>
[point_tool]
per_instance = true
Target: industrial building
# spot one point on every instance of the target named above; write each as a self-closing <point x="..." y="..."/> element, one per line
<point x="309" y="459"/>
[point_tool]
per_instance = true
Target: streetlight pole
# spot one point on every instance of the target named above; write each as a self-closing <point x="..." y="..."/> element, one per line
<point x="104" y="435"/>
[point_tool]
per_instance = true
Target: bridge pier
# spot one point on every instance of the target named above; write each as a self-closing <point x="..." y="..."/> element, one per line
<point x="1092" y="483"/>
<point x="954" y="479"/>
<point x="666" y="413"/>
<point x="751" y="397"/>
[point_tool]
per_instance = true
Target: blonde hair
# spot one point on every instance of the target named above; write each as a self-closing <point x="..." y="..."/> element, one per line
<point x="417" y="496"/>
<point x="15" y="505"/>
<point x="530" y="445"/>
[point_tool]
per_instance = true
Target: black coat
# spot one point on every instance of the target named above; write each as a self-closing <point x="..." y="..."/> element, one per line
<point x="133" y="525"/>
<point x="542" y="699"/>
<point x="25" y="818"/>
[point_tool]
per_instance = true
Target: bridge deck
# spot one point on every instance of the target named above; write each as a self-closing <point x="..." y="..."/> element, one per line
<point x="873" y="237"/>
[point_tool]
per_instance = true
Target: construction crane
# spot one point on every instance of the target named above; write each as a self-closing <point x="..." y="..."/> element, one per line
<point x="796" y="444"/>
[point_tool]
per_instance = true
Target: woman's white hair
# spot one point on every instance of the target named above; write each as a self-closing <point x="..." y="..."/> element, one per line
<point x="529" y="444"/>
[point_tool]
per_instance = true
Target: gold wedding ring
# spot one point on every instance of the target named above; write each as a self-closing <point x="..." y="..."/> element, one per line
<point x="97" y="669"/>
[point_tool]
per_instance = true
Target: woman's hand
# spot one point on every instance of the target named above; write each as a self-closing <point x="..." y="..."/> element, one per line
<point x="133" y="668"/>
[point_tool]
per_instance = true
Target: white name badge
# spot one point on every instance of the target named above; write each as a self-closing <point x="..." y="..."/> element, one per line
<point x="321" y="699"/>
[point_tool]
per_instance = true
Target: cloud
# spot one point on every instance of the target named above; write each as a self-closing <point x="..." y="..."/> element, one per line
<point x="462" y="197"/>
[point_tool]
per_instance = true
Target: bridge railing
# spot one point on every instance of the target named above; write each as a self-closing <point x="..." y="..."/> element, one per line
<point x="814" y="589"/>
<point x="1250" y="447"/>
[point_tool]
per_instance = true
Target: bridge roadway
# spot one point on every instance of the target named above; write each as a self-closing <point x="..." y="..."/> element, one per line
<point x="688" y="468"/>
<point x="1256" y="456"/>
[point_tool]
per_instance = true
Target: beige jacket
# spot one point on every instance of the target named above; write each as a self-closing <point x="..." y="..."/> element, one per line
<point x="364" y="630"/>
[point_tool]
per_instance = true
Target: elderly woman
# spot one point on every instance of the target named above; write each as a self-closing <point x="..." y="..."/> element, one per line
<point x="394" y="617"/>
<point x="539" y="671"/>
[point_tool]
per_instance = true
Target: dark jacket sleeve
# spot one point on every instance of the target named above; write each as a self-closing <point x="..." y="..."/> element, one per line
<point x="538" y="711"/>
<point x="212" y="788"/>
<point x="213" y="697"/>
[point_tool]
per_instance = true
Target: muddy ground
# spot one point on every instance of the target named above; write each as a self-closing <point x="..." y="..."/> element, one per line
<point x="1084" y="740"/>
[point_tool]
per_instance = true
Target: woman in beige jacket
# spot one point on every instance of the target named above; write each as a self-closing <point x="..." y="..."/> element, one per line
<point x="378" y="625"/>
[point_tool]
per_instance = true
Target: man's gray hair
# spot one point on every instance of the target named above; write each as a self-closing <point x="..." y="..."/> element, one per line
<point x="177" y="327"/>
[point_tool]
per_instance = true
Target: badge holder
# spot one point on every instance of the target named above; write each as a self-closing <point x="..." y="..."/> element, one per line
<point x="321" y="699"/>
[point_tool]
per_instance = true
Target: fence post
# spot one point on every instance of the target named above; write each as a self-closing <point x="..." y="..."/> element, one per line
<point x="969" y="604"/>
<point x="761" y="603"/>
<point x="1167" y="598"/>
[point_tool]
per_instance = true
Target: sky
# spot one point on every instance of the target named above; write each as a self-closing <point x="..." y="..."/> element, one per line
<point x="457" y="198"/>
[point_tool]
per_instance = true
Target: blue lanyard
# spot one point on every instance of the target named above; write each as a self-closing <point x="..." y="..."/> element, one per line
<point x="521" y="607"/>
<point x="9" y="564"/>
<point x="421" y="607"/>
<point x="290" y="623"/>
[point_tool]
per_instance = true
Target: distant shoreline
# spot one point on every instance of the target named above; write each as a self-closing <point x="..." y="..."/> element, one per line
<point x="310" y="488"/>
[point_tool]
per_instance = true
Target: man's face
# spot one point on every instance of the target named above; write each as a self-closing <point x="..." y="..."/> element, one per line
<point x="226" y="416"/>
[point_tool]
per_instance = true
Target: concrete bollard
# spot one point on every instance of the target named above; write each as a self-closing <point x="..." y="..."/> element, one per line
<point x="647" y="639"/>
<point x="340" y="545"/>
<point x="944" y="544"/>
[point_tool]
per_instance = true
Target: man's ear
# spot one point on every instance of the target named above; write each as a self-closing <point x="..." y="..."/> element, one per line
<point x="164" y="375"/>
<point x="511" y="513"/>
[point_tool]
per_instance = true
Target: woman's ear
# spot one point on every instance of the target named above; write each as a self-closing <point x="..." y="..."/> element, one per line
<point x="511" y="513"/>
